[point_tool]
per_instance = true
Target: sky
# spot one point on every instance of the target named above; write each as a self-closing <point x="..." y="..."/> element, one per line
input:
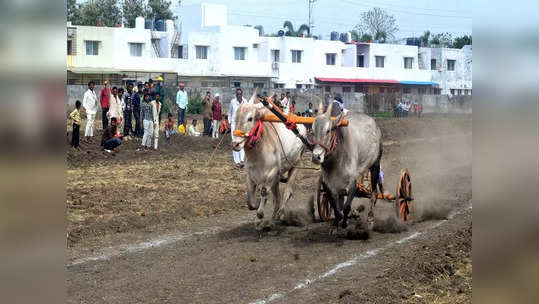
<point x="413" y="16"/>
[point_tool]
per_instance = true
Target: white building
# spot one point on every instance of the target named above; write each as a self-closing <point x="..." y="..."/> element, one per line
<point x="207" y="52"/>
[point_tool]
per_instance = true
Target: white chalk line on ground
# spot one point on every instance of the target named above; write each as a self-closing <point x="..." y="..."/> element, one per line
<point x="120" y="250"/>
<point x="355" y="260"/>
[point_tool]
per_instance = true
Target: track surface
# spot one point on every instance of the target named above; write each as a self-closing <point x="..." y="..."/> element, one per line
<point x="222" y="259"/>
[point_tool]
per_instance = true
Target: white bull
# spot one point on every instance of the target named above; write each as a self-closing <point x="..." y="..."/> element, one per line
<point x="268" y="156"/>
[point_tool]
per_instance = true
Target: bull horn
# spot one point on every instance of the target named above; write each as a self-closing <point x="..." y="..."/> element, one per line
<point x="320" y="104"/>
<point x="252" y="100"/>
<point x="330" y="106"/>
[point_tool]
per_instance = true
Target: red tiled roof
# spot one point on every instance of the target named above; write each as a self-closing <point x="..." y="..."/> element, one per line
<point x="357" y="80"/>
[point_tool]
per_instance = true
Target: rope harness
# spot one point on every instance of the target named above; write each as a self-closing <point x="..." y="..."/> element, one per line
<point x="333" y="142"/>
<point x="254" y="135"/>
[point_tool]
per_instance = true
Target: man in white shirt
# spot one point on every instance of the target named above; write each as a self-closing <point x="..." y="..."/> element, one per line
<point x="90" y="104"/>
<point x="115" y="107"/>
<point x="182" y="100"/>
<point x="286" y="103"/>
<point x="193" y="129"/>
<point x="239" y="156"/>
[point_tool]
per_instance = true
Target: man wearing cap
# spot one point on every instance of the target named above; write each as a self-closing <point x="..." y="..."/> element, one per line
<point x="182" y="101"/>
<point x="104" y="98"/>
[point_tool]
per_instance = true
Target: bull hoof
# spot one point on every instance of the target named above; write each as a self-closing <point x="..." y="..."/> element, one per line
<point x="260" y="215"/>
<point x="370" y="222"/>
<point x="344" y="225"/>
<point x="251" y="207"/>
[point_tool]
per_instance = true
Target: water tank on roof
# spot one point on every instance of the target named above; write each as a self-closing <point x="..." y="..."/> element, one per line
<point x="342" y="37"/>
<point x="280" y="33"/>
<point x="334" y="36"/>
<point x="160" y="25"/>
<point x="413" y="41"/>
<point x="348" y="37"/>
<point x="139" y="22"/>
<point x="260" y="29"/>
<point x="148" y="24"/>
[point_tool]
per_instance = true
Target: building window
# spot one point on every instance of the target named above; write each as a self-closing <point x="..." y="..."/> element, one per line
<point x="406" y="90"/>
<point x="459" y="92"/>
<point x="327" y="89"/>
<point x="179" y="50"/>
<point x="237" y="84"/>
<point x="380" y="61"/>
<point x="258" y="85"/>
<point x="70" y="47"/>
<point x="452" y="91"/>
<point x="330" y="59"/>
<point x="450" y="65"/>
<point x="382" y="90"/>
<point x="298" y="85"/>
<point x="308" y="86"/>
<point x="433" y="64"/>
<point x="201" y="52"/>
<point x="296" y="56"/>
<point x="422" y="91"/>
<point x="239" y="53"/>
<point x="135" y="49"/>
<point x="255" y="45"/>
<point x="278" y="85"/>
<point x="361" y="61"/>
<point x="408" y="62"/>
<point x="347" y="89"/>
<point x="92" y="48"/>
<point x="275" y="54"/>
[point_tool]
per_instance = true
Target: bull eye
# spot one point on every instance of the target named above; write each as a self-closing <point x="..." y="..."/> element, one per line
<point x="250" y="119"/>
<point x="327" y="132"/>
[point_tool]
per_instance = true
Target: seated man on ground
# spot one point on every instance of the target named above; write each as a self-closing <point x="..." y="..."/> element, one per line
<point x="111" y="139"/>
<point x="193" y="129"/>
<point x="182" y="129"/>
<point x="169" y="127"/>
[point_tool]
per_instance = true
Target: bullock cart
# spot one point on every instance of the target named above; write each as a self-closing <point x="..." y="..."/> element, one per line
<point x="403" y="196"/>
<point x="402" y="200"/>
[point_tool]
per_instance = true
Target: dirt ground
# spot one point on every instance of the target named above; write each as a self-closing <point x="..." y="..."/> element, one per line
<point x="211" y="253"/>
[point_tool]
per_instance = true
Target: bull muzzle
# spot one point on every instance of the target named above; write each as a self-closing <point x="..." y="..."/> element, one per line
<point x="318" y="155"/>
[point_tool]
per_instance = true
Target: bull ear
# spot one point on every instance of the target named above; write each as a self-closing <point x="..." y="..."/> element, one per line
<point x="320" y="105"/>
<point x="252" y="100"/>
<point x="338" y="120"/>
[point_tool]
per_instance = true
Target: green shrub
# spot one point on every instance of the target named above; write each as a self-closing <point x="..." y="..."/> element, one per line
<point x="195" y="104"/>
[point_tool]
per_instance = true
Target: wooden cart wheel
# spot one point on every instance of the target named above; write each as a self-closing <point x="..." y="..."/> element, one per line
<point x="404" y="197"/>
<point x="322" y="202"/>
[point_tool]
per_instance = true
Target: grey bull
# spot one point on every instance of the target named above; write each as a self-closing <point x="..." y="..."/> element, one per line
<point x="276" y="152"/>
<point x="345" y="153"/>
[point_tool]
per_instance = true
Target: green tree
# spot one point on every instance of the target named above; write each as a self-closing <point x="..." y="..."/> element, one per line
<point x="425" y="38"/>
<point x="105" y="12"/>
<point x="293" y="33"/>
<point x="73" y="11"/>
<point x="365" y="38"/>
<point x="442" y="40"/>
<point x="462" y="41"/>
<point x="133" y="9"/>
<point x="378" y="23"/>
<point x="160" y="10"/>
